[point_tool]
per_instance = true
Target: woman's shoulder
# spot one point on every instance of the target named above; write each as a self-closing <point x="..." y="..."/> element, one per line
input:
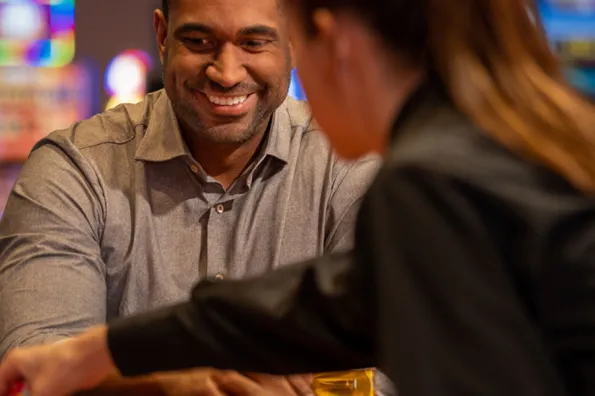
<point x="449" y="143"/>
<point x="449" y="148"/>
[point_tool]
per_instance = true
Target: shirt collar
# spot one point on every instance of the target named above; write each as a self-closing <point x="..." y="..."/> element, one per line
<point x="278" y="138"/>
<point x="163" y="138"/>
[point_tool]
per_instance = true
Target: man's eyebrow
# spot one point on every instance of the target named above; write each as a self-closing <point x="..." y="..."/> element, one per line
<point x="259" y="30"/>
<point x="254" y="30"/>
<point x="193" y="27"/>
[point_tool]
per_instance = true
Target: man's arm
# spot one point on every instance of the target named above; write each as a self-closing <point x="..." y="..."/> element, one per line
<point x="52" y="278"/>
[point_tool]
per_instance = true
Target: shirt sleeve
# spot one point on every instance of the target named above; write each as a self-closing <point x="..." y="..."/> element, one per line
<point x="303" y="318"/>
<point x="451" y="316"/>
<point x="52" y="278"/>
<point x="350" y="184"/>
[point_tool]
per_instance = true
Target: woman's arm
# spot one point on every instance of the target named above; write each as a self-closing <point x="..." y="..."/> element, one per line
<point x="304" y="318"/>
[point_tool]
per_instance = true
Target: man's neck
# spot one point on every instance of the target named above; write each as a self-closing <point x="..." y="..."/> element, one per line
<point x="225" y="162"/>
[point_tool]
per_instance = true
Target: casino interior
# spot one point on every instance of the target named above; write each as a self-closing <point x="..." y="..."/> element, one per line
<point x="62" y="61"/>
<point x="65" y="60"/>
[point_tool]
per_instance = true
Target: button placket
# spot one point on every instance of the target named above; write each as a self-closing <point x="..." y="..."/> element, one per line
<point x="218" y="233"/>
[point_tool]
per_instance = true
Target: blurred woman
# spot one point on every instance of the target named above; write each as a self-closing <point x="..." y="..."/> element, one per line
<point x="474" y="267"/>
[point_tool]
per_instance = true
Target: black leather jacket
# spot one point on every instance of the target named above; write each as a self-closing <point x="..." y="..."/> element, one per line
<point x="473" y="274"/>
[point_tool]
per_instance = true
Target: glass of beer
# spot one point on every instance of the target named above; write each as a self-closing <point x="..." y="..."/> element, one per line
<point x="344" y="383"/>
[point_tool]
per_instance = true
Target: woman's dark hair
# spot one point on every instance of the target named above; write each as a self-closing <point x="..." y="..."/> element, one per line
<point x="165" y="8"/>
<point x="496" y="63"/>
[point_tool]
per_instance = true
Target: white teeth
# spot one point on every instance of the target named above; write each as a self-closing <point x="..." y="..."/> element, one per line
<point x="227" y="101"/>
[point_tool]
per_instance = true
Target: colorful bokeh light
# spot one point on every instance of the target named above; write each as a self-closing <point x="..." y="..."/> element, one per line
<point x="36" y="32"/>
<point x="126" y="77"/>
<point x="35" y="101"/>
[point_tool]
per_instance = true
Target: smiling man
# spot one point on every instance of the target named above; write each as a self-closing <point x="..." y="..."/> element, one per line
<point x="227" y="68"/>
<point x="219" y="175"/>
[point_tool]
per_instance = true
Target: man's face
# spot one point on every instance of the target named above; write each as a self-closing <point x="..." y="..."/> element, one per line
<point x="226" y="65"/>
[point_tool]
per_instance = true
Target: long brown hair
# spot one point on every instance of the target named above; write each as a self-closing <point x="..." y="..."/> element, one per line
<point x="498" y="68"/>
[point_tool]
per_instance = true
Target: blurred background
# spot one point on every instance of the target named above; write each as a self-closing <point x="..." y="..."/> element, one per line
<point x="64" y="60"/>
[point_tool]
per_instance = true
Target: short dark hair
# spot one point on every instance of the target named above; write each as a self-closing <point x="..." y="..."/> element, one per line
<point x="166" y="3"/>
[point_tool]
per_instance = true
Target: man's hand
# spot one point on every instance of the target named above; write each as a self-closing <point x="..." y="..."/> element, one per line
<point x="59" y="369"/>
<point x="197" y="382"/>
<point x="233" y="383"/>
<point x="203" y="382"/>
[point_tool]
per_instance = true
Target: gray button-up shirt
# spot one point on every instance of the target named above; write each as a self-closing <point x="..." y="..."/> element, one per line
<point x="113" y="216"/>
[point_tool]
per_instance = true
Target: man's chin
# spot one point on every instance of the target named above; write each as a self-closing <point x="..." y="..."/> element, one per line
<point x="223" y="130"/>
<point x="231" y="133"/>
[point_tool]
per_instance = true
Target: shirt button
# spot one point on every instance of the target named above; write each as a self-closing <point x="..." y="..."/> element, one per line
<point x="194" y="168"/>
<point x="219" y="276"/>
<point x="219" y="209"/>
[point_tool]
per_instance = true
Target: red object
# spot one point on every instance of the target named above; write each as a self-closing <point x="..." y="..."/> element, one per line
<point x="17" y="389"/>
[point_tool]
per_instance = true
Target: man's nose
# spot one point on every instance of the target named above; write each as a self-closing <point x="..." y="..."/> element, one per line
<point x="228" y="69"/>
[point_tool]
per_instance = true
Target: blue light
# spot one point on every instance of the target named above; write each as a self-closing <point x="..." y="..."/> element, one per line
<point x="583" y="78"/>
<point x="570" y="26"/>
<point x="295" y="88"/>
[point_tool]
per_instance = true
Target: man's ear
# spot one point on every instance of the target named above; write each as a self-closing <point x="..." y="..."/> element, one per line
<point x="160" y="25"/>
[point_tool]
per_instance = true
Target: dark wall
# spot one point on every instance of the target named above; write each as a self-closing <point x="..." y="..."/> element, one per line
<point x="106" y="27"/>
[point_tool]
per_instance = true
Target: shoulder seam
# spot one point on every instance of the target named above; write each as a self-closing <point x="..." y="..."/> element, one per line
<point x="117" y="143"/>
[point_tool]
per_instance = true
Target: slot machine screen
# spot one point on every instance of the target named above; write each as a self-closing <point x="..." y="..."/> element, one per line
<point x="36" y="33"/>
<point x="570" y="26"/>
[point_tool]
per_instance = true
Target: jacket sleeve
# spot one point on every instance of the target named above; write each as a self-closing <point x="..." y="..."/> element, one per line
<point x="309" y="317"/>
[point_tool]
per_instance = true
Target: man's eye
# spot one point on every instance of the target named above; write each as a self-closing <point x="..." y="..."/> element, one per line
<point x="254" y="44"/>
<point x="198" y="42"/>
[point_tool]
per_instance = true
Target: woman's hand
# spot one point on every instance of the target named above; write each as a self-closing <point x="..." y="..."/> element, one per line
<point x="59" y="369"/>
